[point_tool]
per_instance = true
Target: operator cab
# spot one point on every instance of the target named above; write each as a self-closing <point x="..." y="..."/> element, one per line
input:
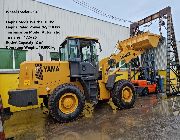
<point x="83" y="49"/>
<point x="82" y="55"/>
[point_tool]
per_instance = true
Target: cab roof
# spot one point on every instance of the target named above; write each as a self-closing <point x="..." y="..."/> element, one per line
<point x="79" y="37"/>
<point x="82" y="37"/>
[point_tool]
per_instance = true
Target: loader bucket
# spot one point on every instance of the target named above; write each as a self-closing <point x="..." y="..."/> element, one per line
<point x="145" y="40"/>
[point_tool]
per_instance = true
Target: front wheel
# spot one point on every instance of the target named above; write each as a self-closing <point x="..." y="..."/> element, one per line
<point x="66" y="103"/>
<point x="123" y="94"/>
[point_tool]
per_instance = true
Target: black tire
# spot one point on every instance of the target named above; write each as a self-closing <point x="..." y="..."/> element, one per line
<point x="54" y="98"/>
<point x="103" y="101"/>
<point x="117" y="94"/>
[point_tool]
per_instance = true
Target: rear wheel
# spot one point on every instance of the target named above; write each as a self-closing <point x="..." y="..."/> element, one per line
<point x="66" y="103"/>
<point x="123" y="94"/>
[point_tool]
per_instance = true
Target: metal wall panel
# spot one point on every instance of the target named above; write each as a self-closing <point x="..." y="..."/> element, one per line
<point x="6" y="57"/>
<point x="20" y="56"/>
<point x="159" y="56"/>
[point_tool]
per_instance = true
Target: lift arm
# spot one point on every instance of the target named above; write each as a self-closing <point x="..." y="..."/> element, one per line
<point x="128" y="50"/>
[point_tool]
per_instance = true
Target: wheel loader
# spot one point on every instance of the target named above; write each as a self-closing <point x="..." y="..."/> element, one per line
<point x="79" y="77"/>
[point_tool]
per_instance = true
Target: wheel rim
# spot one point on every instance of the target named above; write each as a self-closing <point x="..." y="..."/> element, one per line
<point x="127" y="94"/>
<point x="68" y="103"/>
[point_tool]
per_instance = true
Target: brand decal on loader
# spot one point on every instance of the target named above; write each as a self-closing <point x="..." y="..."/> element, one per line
<point x="40" y="69"/>
<point x="51" y="68"/>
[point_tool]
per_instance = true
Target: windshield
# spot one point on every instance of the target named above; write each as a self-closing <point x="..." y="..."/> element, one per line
<point x="88" y="51"/>
<point x="78" y="48"/>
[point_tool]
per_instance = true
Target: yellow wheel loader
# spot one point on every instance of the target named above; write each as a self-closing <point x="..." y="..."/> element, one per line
<point x="65" y="85"/>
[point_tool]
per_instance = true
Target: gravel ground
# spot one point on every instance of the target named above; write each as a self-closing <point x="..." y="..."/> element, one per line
<point x="150" y="118"/>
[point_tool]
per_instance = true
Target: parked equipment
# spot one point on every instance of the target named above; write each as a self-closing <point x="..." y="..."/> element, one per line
<point x="165" y="19"/>
<point x="148" y="78"/>
<point x="65" y="85"/>
<point x="144" y="87"/>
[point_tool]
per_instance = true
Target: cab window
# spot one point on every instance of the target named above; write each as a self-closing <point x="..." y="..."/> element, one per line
<point x="85" y="50"/>
<point x="88" y="50"/>
<point x="94" y="51"/>
<point x="73" y="49"/>
<point x="64" y="52"/>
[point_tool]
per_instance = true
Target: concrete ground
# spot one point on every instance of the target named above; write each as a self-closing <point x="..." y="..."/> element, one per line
<point x="150" y="118"/>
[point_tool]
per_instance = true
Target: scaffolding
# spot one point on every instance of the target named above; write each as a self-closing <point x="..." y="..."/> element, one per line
<point x="171" y="47"/>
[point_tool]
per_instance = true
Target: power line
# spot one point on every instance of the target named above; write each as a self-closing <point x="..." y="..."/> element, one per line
<point x="97" y="11"/>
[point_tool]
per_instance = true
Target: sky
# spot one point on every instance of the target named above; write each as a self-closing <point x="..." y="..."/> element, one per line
<point x="132" y="10"/>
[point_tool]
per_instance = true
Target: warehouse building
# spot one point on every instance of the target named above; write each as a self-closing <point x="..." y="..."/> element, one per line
<point x="29" y="28"/>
